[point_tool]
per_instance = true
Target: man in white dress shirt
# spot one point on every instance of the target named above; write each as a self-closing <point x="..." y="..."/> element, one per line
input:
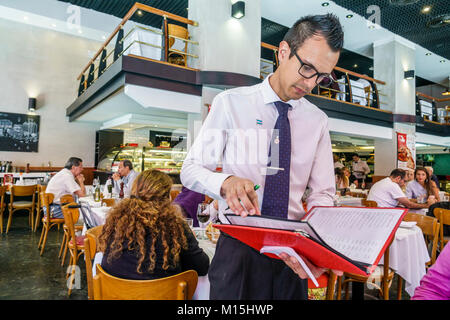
<point x="125" y="174"/>
<point x="388" y="193"/>
<point x="69" y="180"/>
<point x="360" y="168"/>
<point x="238" y="133"/>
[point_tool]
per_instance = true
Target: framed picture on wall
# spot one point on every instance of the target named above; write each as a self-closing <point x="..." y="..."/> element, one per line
<point x="19" y="132"/>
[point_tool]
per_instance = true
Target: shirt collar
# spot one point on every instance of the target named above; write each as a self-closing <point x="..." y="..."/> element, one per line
<point x="270" y="96"/>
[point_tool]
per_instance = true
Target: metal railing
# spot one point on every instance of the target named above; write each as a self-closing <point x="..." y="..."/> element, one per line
<point x="345" y="90"/>
<point x="108" y="53"/>
<point x="438" y="115"/>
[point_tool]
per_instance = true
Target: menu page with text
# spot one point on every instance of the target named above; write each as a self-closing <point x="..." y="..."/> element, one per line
<point x="357" y="233"/>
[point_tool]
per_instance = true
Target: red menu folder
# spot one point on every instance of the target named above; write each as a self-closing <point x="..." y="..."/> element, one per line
<point x="350" y="239"/>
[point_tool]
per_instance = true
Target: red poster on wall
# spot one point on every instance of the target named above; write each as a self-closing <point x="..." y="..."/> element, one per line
<point x="406" y="151"/>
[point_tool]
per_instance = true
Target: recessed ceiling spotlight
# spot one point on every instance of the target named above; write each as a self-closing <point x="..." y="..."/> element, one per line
<point x="442" y="61"/>
<point x="53" y="25"/>
<point x="372" y="26"/>
<point x="325" y="4"/>
<point x="139" y="12"/>
<point x="25" y="18"/>
<point x="349" y="16"/>
<point x="80" y="31"/>
<point x="355" y="66"/>
<point x="428" y="54"/>
<point x="426" y="9"/>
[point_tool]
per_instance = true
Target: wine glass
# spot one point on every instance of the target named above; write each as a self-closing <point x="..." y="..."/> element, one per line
<point x="203" y="217"/>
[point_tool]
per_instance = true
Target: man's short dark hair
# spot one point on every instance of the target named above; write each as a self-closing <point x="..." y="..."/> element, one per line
<point x="127" y="163"/>
<point x="73" y="161"/>
<point x="355" y="155"/>
<point x="398" y="173"/>
<point x="326" y="25"/>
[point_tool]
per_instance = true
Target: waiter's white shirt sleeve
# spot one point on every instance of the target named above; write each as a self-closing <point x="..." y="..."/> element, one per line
<point x="206" y="153"/>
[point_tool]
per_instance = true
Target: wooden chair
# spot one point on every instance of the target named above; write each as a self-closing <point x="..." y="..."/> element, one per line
<point x="382" y="275"/>
<point x="47" y="222"/>
<point x="443" y="216"/>
<point x="65" y="199"/>
<point x="40" y="188"/>
<point x="430" y="229"/>
<point x="22" y="191"/>
<point x="178" y="287"/>
<point x="369" y="203"/>
<point x="2" y="205"/>
<point x="108" y="202"/>
<point x="174" y="194"/>
<point x="180" y="32"/>
<point x="332" y="277"/>
<point x="76" y="243"/>
<point x="90" y="249"/>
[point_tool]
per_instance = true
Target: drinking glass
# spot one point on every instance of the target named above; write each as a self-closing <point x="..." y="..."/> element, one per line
<point x="190" y="222"/>
<point x="203" y="216"/>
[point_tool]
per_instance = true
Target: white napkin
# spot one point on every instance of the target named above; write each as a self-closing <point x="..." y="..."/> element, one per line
<point x="278" y="249"/>
<point x="408" y="224"/>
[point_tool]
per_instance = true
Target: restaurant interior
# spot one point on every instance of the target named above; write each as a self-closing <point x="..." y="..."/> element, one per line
<point x="114" y="81"/>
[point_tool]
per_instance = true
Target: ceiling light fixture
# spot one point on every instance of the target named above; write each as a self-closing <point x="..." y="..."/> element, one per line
<point x="428" y="54"/>
<point x="139" y="12"/>
<point x="426" y="9"/>
<point x="355" y="66"/>
<point x="442" y="61"/>
<point x="349" y="16"/>
<point x="325" y="4"/>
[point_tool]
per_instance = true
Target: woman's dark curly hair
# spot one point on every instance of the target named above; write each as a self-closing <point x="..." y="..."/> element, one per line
<point x="148" y="211"/>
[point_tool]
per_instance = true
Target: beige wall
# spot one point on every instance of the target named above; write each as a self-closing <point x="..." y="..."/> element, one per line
<point x="42" y="63"/>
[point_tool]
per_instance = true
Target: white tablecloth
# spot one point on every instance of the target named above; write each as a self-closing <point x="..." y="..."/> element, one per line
<point x="349" y="201"/>
<point x="408" y="255"/>
<point x="202" y="291"/>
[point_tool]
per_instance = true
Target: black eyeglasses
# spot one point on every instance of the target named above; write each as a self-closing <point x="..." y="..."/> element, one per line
<point x="308" y="71"/>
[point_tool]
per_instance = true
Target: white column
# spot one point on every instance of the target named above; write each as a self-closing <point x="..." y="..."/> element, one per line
<point x="225" y="43"/>
<point x="391" y="59"/>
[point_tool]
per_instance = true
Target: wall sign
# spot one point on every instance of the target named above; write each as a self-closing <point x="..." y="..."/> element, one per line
<point x="406" y="151"/>
<point x="19" y="132"/>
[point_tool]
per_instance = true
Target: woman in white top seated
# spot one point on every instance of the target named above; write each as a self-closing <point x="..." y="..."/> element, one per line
<point x="422" y="186"/>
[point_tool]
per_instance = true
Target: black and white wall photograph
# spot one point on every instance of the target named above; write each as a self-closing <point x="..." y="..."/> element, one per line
<point x="19" y="132"/>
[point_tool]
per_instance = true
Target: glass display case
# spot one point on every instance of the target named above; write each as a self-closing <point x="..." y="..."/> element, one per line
<point x="165" y="159"/>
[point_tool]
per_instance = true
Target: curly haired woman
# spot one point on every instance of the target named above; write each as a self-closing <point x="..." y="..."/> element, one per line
<point x="146" y="237"/>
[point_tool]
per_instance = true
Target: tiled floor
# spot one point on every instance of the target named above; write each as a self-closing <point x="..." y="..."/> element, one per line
<point x="24" y="274"/>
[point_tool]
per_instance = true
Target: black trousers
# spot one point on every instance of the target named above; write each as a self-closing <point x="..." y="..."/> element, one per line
<point x="238" y="272"/>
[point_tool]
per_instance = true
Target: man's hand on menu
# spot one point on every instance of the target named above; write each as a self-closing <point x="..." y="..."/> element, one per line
<point x="293" y="263"/>
<point x="235" y="189"/>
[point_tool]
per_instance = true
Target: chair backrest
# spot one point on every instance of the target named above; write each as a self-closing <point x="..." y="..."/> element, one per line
<point x="46" y="199"/>
<point x="90" y="249"/>
<point x="71" y="214"/>
<point x="178" y="287"/>
<point x="177" y="31"/>
<point x="108" y="202"/>
<point x="2" y="197"/>
<point x="443" y="215"/>
<point x="174" y="194"/>
<point x="429" y="227"/>
<point x="65" y="199"/>
<point x="369" y="203"/>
